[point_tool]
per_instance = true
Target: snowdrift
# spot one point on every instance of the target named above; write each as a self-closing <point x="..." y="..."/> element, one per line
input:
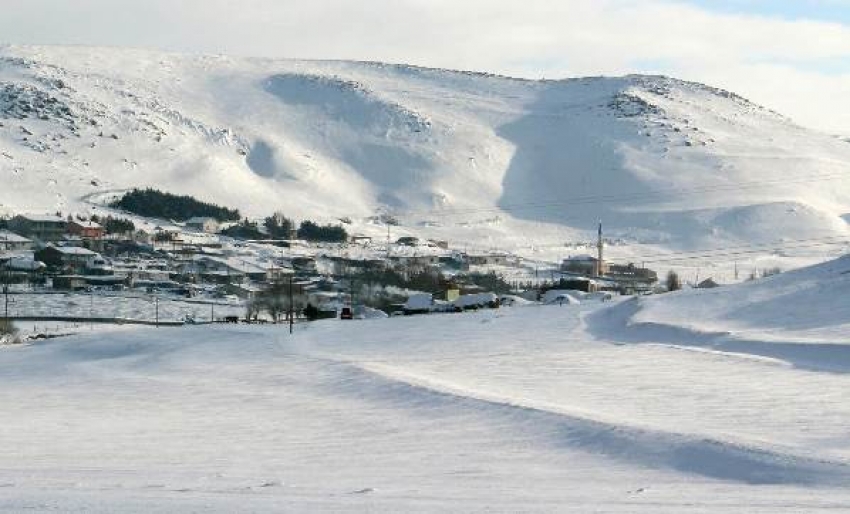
<point x="812" y="299"/>
<point x="800" y="318"/>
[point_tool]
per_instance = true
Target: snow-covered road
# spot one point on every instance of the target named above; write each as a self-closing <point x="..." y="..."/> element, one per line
<point x="524" y="409"/>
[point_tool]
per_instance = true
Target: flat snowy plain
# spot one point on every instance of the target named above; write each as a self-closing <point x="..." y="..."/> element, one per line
<point x="525" y="409"/>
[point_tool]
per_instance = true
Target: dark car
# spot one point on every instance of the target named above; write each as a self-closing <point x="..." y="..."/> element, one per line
<point x="346" y="313"/>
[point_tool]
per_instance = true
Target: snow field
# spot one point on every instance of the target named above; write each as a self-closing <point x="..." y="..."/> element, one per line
<point x="523" y="409"/>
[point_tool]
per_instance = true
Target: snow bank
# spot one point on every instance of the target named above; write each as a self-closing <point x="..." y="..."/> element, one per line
<point x="809" y="300"/>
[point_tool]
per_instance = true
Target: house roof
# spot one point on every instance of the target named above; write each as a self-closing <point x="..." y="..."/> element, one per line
<point x="11" y="237"/>
<point x="200" y="220"/>
<point x="239" y="264"/>
<point x="581" y="258"/>
<point x="86" y="224"/>
<point x="43" y="218"/>
<point x="73" y="250"/>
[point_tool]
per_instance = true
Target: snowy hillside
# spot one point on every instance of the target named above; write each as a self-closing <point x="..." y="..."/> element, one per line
<point x="462" y="156"/>
<point x="800" y="316"/>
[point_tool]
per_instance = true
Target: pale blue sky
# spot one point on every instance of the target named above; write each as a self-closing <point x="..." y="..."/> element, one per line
<point x="837" y="11"/>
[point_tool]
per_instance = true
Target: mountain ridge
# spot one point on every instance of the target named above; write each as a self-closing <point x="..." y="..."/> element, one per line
<point x="353" y="139"/>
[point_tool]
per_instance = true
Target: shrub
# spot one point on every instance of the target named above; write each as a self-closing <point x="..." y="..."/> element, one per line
<point x="8" y="332"/>
<point x="245" y="230"/>
<point x="311" y="231"/>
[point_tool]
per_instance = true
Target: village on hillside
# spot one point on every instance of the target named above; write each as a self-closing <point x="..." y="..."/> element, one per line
<point x="179" y="272"/>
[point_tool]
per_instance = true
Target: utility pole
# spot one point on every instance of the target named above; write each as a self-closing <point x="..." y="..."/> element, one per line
<point x="6" y="274"/>
<point x="388" y="237"/>
<point x="600" y="267"/>
<point x="351" y="284"/>
<point x="156" y="307"/>
<point x="212" y="313"/>
<point x="291" y="307"/>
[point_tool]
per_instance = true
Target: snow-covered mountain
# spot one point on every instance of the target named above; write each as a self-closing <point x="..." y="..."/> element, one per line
<point x="462" y="156"/>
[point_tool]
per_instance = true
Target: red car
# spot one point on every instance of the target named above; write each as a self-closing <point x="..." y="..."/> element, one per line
<point x="346" y="313"/>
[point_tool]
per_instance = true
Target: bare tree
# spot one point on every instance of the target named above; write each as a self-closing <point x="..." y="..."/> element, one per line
<point x="278" y="299"/>
<point x="252" y="309"/>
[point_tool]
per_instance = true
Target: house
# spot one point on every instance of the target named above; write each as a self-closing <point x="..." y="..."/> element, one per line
<point x="345" y="265"/>
<point x="415" y="263"/>
<point x="304" y="264"/>
<point x="488" y="259"/>
<point x="63" y="257"/>
<point x="245" y="290"/>
<point x="11" y="242"/>
<point x="40" y="227"/>
<point x="361" y="240"/>
<point x="69" y="282"/>
<point x="202" y="224"/>
<point x="583" y="265"/>
<point x="236" y="269"/>
<point x="631" y="275"/>
<point x="86" y="229"/>
<point x="578" y="284"/>
<point x="419" y="303"/>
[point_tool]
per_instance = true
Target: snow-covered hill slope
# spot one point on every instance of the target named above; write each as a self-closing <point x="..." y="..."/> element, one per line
<point x="812" y="298"/>
<point x="472" y="157"/>
<point x="801" y="317"/>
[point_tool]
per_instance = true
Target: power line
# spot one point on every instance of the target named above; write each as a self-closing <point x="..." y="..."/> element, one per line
<point x="755" y="247"/>
<point x="612" y="198"/>
<point x="738" y="251"/>
<point x="674" y="258"/>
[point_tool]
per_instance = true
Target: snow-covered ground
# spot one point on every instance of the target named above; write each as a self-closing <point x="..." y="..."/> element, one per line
<point x="130" y="306"/>
<point x="531" y="409"/>
<point x="801" y="317"/>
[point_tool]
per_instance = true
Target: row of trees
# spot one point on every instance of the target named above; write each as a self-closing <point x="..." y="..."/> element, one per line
<point x="114" y="225"/>
<point x="278" y="226"/>
<point x="157" y="204"/>
<point x="152" y="203"/>
<point x="310" y="231"/>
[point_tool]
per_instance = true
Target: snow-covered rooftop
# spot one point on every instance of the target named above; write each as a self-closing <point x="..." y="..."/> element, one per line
<point x="10" y="237"/>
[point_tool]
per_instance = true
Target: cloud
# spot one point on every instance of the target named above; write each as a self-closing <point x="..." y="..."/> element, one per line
<point x="797" y="66"/>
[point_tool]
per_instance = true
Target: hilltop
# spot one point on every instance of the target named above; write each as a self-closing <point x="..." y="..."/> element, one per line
<point x="474" y="158"/>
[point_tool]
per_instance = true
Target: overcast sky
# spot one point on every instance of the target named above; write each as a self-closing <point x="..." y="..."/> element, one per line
<point x="791" y="55"/>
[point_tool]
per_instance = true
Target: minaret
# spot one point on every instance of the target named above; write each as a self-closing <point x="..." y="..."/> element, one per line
<point x="599" y="245"/>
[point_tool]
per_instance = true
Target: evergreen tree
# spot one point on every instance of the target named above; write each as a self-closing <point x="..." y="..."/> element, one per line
<point x="673" y="281"/>
<point x="278" y="226"/>
<point x="156" y="204"/>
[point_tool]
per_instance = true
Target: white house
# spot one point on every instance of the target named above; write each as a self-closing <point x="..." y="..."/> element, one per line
<point x="205" y="225"/>
<point x="11" y="242"/>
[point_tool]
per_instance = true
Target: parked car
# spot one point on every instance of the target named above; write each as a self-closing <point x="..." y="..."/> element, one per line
<point x="346" y="313"/>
